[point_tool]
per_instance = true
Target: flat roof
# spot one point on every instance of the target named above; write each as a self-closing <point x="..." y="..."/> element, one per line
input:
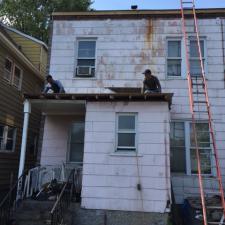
<point x="104" y="97"/>
<point x="132" y="14"/>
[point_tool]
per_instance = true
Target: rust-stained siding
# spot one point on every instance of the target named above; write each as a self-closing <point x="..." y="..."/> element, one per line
<point x="125" y="48"/>
<point x="34" y="51"/>
<point x="11" y="113"/>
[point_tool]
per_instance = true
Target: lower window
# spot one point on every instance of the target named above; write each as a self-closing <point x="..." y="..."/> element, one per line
<point x="7" y="138"/>
<point x="126" y="132"/>
<point x="183" y="150"/>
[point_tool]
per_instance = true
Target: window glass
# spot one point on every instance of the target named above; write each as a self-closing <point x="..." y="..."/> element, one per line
<point x="76" y="142"/>
<point x="7" y="138"/>
<point x="126" y="140"/>
<point x="202" y="132"/>
<point x="1" y="135"/>
<point x="177" y="147"/>
<point x="86" y="58"/>
<point x="195" y="63"/>
<point x="8" y="69"/>
<point x="174" y="67"/>
<point x="17" y="77"/>
<point x="205" y="161"/>
<point x="194" y="48"/>
<point x="86" y="49"/>
<point x="126" y="133"/>
<point x="126" y="122"/>
<point x="174" y="48"/>
<point x="174" y="58"/>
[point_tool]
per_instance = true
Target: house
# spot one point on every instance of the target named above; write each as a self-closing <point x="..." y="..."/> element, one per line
<point x="18" y="74"/>
<point x="119" y="136"/>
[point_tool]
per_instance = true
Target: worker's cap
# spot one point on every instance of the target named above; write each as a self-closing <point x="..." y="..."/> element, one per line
<point x="148" y="71"/>
<point x="48" y="77"/>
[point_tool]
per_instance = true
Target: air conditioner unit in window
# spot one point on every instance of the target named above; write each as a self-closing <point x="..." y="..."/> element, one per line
<point x="85" y="71"/>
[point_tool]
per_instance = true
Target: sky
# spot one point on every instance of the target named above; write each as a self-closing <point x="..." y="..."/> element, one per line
<point x="153" y="4"/>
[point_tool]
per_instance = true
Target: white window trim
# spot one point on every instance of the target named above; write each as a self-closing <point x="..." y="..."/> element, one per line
<point x="76" y="56"/>
<point x="188" y="150"/>
<point x="182" y="58"/>
<point x="5" y="135"/>
<point x="133" y="149"/>
<point x="205" y="58"/>
<point x="11" y="72"/>
<point x="21" y="77"/>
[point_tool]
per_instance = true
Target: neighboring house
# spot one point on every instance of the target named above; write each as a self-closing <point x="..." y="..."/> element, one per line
<point x="104" y="123"/>
<point x="17" y="75"/>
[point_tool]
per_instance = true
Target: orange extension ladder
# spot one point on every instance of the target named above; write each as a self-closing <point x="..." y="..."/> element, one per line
<point x="199" y="104"/>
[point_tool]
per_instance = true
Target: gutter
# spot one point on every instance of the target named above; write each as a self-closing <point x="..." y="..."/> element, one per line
<point x="20" y="56"/>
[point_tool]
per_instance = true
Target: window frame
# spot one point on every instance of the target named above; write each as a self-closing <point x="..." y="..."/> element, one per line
<point x="5" y="138"/>
<point x="188" y="147"/>
<point x="126" y="148"/>
<point x="11" y="72"/>
<point x="92" y="58"/>
<point x="68" y="158"/>
<point x="21" y="77"/>
<point x="191" y="38"/>
<point x="168" y="39"/>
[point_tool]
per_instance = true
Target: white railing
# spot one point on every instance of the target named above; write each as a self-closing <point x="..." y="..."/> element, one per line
<point x="38" y="177"/>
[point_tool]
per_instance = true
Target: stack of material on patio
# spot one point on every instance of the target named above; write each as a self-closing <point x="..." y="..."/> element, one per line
<point x="49" y="191"/>
<point x="192" y="210"/>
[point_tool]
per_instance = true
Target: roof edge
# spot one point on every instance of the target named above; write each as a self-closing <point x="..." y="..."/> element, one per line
<point x="25" y="35"/>
<point x="21" y="56"/>
<point x="154" y="12"/>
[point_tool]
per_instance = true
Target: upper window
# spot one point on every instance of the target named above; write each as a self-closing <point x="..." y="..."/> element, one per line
<point x="174" y="58"/>
<point x="8" y="69"/>
<point x="195" y="64"/>
<point x="7" y="138"/>
<point x="17" y="77"/>
<point x="183" y="149"/>
<point x="86" y="58"/>
<point x="126" y="132"/>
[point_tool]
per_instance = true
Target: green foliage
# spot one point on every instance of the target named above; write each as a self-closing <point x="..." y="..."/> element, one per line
<point x="32" y="16"/>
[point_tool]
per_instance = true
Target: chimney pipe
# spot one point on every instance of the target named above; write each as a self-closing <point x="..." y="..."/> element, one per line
<point x="134" y="7"/>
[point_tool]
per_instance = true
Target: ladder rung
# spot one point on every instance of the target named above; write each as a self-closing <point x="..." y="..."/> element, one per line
<point x="200" y="111"/>
<point x="213" y="193"/>
<point x="200" y="101"/>
<point x="214" y="207"/>
<point x="216" y="223"/>
<point x="187" y="8"/>
<point x="197" y="84"/>
<point x="198" y="93"/>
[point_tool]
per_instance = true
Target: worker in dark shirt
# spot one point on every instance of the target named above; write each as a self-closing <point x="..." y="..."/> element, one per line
<point x="151" y="83"/>
<point x="54" y="85"/>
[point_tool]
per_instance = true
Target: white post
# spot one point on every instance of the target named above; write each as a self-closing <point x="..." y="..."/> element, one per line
<point x="26" y="110"/>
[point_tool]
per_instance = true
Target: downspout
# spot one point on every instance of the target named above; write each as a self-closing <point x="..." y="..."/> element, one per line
<point x="223" y="45"/>
<point x="27" y="111"/>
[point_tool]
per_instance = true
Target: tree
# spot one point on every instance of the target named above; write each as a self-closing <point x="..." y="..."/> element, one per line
<point x="32" y="16"/>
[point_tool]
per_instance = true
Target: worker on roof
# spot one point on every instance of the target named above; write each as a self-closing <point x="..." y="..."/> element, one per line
<point x="151" y="83"/>
<point x="53" y="86"/>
